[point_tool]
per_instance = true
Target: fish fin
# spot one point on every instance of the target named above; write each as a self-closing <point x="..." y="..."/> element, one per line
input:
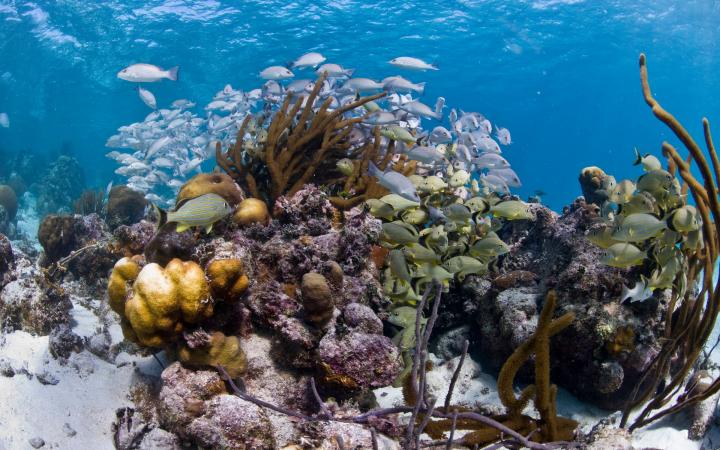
<point x="349" y="72"/>
<point x="422" y="88"/>
<point x="173" y="73"/>
<point x="161" y="216"/>
<point x="638" y="157"/>
<point x="182" y="227"/>
<point x="208" y="228"/>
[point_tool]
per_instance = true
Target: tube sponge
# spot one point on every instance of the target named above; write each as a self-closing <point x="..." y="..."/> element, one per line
<point x="221" y="350"/>
<point x="227" y="278"/>
<point x="164" y="299"/>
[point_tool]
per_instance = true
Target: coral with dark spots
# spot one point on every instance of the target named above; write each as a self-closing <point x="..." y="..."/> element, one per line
<point x="62" y="183"/>
<point x="7" y="261"/>
<point x="8" y="200"/>
<point x="370" y="360"/>
<point x="206" y="183"/>
<point x="33" y="303"/>
<point x="194" y="405"/>
<point x="168" y="244"/>
<point x="125" y="206"/>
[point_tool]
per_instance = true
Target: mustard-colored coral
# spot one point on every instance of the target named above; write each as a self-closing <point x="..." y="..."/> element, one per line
<point x="125" y="272"/>
<point x="251" y="211"/>
<point x="163" y="300"/>
<point x="221" y="350"/>
<point x="227" y="278"/>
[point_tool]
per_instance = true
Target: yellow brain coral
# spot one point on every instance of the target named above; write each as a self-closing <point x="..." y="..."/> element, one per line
<point x="221" y="350"/>
<point x="162" y="300"/>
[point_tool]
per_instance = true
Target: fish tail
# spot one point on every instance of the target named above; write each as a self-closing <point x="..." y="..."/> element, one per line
<point x="162" y="216"/>
<point x="638" y="157"/>
<point x="421" y="87"/>
<point x="349" y="72"/>
<point x="173" y="73"/>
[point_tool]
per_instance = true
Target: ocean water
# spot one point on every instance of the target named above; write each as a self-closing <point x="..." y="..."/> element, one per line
<point x="561" y="75"/>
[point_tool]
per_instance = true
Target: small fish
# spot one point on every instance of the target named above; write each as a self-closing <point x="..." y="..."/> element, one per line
<point x="345" y="166"/>
<point x="638" y="227"/>
<point x="147" y="73"/>
<point x="431" y="184"/>
<point x="400" y="84"/>
<point x="487" y="144"/>
<point x="440" y="135"/>
<point x="622" y="193"/>
<point x="638" y="293"/>
<point x="420" y="109"/>
<point x="462" y="266"/>
<point x="489" y="247"/>
<point x="459" y="178"/>
<point x="334" y="70"/>
<point x="477" y="204"/>
<point x="398" y="202"/>
<point x="361" y="85"/>
<point x="399" y="233"/>
<point x="419" y="254"/>
<point x="276" y="73"/>
<point x="622" y="255"/>
<point x="648" y="161"/>
<point x="397" y="133"/>
<point x="685" y="219"/>
<point x="490" y="161"/>
<point x="395" y="182"/>
<point x="640" y="202"/>
<point x="503" y="135"/>
<point x="511" y="210"/>
<point x="312" y="59"/>
<point x="425" y="155"/>
<point x="380" y="209"/>
<point x="147" y="97"/>
<point x="410" y="63"/>
<point x="300" y="86"/>
<point x="380" y="117"/>
<point x="157" y="145"/>
<point x="398" y="265"/>
<point x="414" y="216"/>
<point x="655" y="181"/>
<point x="601" y="236"/>
<point x="4" y="120"/>
<point x="202" y="211"/>
<point x="457" y="213"/>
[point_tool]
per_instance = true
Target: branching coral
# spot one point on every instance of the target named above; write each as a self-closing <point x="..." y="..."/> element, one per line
<point x="300" y="146"/>
<point x="692" y="313"/>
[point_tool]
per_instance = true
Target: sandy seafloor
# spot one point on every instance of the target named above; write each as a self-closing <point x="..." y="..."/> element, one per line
<point x="77" y="411"/>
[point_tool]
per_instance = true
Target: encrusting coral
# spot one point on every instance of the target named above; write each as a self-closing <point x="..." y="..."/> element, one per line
<point x="227" y="278"/>
<point x="299" y="146"/>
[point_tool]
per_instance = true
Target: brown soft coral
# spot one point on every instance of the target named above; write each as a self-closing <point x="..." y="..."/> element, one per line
<point x="206" y="183"/>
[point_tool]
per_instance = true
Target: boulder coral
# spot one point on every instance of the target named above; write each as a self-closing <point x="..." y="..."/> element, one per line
<point x="162" y="301"/>
<point x="125" y="206"/>
<point x="227" y="278"/>
<point x="205" y="183"/>
<point x="251" y="211"/>
<point x="317" y="299"/>
<point x="216" y="350"/>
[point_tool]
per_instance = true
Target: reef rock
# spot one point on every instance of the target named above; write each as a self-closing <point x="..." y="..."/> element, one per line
<point x="62" y="183"/>
<point x="7" y="261"/>
<point x="195" y="406"/>
<point x="32" y="303"/>
<point x="8" y="200"/>
<point x="601" y="355"/>
<point x="125" y="206"/>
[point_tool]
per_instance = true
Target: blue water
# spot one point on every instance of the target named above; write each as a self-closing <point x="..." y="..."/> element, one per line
<point x="561" y="75"/>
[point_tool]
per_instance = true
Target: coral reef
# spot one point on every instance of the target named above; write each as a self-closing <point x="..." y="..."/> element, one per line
<point x="7" y="261"/>
<point x="8" y="201"/>
<point x="125" y="206"/>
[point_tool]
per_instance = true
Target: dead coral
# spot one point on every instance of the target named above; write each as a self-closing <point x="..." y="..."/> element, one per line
<point x="302" y="146"/>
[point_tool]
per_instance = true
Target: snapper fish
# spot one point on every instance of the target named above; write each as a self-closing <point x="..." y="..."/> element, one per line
<point x="503" y="135"/>
<point x="421" y="109"/>
<point x="202" y="211"/>
<point x="334" y="70"/>
<point x="425" y="155"/>
<point x="440" y="135"/>
<point x="276" y="73"/>
<point x="395" y="182"/>
<point x="147" y="97"/>
<point x="400" y="84"/>
<point x="361" y="85"/>
<point x="312" y="59"/>
<point x="410" y="63"/>
<point x="147" y="73"/>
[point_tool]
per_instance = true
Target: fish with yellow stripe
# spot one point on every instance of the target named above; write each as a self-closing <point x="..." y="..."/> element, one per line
<point x="202" y="211"/>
